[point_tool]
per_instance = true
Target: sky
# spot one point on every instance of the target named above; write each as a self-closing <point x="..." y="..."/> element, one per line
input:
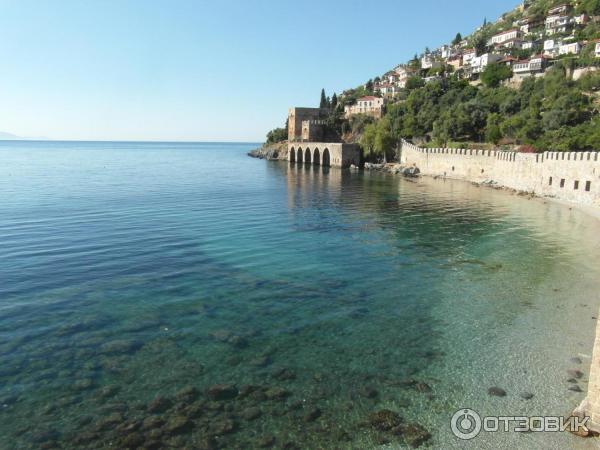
<point x="221" y="70"/>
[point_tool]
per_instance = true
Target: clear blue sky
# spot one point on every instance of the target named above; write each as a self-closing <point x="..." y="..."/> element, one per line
<point x="201" y="70"/>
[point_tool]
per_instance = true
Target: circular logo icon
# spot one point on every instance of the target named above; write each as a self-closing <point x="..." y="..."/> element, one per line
<point x="466" y="424"/>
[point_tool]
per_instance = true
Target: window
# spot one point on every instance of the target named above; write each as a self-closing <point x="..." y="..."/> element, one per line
<point x="550" y="182"/>
<point x="588" y="186"/>
<point x="562" y="181"/>
<point x="576" y="185"/>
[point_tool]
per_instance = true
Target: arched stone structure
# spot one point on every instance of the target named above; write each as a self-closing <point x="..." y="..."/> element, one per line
<point x="326" y="158"/>
<point x="333" y="154"/>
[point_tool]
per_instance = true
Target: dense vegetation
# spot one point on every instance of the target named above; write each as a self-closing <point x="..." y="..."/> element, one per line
<point x="552" y="112"/>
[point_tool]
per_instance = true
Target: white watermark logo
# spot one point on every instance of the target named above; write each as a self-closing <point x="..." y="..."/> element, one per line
<point x="466" y="424"/>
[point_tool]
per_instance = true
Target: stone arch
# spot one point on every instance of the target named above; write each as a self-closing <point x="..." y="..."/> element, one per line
<point x="299" y="155"/>
<point x="292" y="155"/>
<point x="326" y="158"/>
<point x="307" y="156"/>
<point x="316" y="157"/>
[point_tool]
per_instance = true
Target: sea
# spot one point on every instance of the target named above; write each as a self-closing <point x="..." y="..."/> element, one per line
<point x="185" y="295"/>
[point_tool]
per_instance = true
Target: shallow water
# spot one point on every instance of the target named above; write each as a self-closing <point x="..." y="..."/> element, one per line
<point x="130" y="271"/>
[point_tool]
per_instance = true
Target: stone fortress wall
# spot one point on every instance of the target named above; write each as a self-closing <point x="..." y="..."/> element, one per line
<point x="323" y="154"/>
<point x="569" y="176"/>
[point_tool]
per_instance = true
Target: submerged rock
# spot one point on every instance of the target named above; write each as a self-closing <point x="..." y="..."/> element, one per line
<point x="576" y="360"/>
<point x="575" y="388"/>
<point x="527" y="395"/>
<point x="265" y="441"/>
<point x="251" y="413"/>
<point x="276" y="393"/>
<point x="188" y="393"/>
<point x="178" y="424"/>
<point x="283" y="374"/>
<point x="159" y="404"/>
<point x="222" y="392"/>
<point x="121" y="346"/>
<point x="222" y="426"/>
<point x="414" y="434"/>
<point x="575" y="373"/>
<point x="312" y="415"/>
<point x="384" y="420"/>
<point x="496" y="392"/>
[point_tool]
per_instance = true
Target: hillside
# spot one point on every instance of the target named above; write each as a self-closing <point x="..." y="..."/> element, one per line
<point x="527" y="81"/>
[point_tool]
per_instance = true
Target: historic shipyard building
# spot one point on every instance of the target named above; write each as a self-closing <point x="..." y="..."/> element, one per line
<point x="307" y="141"/>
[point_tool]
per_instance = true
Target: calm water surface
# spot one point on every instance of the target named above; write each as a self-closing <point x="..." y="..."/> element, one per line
<point x="133" y="277"/>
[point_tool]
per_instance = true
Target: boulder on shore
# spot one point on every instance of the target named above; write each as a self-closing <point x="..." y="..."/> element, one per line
<point x="411" y="172"/>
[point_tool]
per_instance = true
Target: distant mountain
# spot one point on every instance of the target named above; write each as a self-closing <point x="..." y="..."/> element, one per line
<point x="9" y="136"/>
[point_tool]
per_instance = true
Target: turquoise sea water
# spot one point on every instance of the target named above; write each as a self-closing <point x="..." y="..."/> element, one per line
<point x="133" y="277"/>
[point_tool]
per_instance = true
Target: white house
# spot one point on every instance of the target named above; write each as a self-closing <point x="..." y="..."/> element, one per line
<point x="479" y="63"/>
<point x="572" y="48"/>
<point x="551" y="47"/>
<point x="598" y="49"/>
<point x="468" y="56"/>
<point x="557" y="24"/>
<point x="403" y="76"/>
<point x="505" y="36"/>
<point x="428" y="61"/>
<point x="529" y="67"/>
<point x="511" y="43"/>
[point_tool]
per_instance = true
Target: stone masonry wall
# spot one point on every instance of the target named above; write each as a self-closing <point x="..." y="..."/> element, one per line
<point x="570" y="176"/>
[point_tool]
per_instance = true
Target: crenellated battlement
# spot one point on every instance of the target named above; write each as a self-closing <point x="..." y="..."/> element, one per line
<point x="570" y="176"/>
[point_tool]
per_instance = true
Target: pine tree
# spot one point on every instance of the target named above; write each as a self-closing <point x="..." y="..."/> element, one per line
<point x="334" y="101"/>
<point x="458" y="39"/>
<point x="323" y="103"/>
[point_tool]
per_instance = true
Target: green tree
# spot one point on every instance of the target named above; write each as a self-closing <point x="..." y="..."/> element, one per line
<point x="414" y="83"/>
<point x="323" y="102"/>
<point x="334" y="101"/>
<point x="492" y="130"/>
<point x="589" y="7"/>
<point x="458" y="39"/>
<point x="494" y="74"/>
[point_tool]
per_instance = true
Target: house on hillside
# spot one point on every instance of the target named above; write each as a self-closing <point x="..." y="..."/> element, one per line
<point x="479" y="63"/>
<point x="558" y="24"/>
<point x="428" y="61"/>
<point x="370" y="105"/>
<point x="571" y="48"/>
<point x="598" y="49"/>
<point x="456" y="62"/>
<point x="536" y="65"/>
<point x="511" y="43"/>
<point x="468" y="56"/>
<point x="403" y="75"/>
<point x="559" y="10"/>
<point x="505" y="36"/>
<point x="552" y="47"/>
<point x="508" y="61"/>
